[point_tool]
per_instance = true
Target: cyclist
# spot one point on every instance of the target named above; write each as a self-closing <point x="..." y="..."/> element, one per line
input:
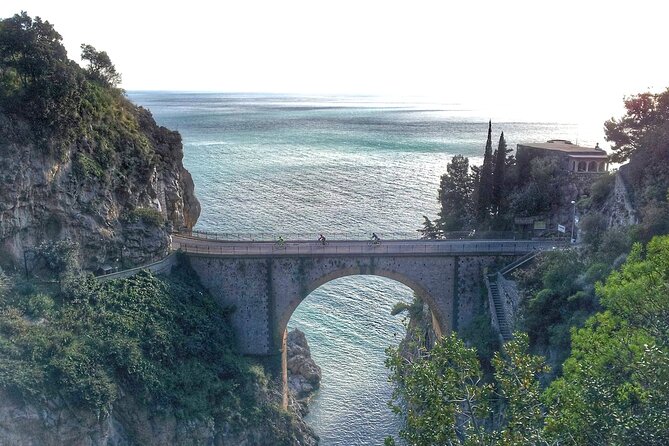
<point x="322" y="239"/>
<point x="375" y="239"/>
<point x="280" y="242"/>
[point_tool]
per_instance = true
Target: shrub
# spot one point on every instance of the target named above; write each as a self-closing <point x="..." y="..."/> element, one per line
<point x="86" y="167"/>
<point x="60" y="256"/>
<point x="40" y="305"/>
<point x="149" y="216"/>
<point x="602" y="188"/>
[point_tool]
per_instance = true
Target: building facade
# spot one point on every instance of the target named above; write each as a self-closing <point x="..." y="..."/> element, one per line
<point x="572" y="158"/>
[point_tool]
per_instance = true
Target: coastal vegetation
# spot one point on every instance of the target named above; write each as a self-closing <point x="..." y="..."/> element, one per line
<point x="598" y="313"/>
<point x="142" y="360"/>
<point x="613" y="388"/>
<point x="79" y="159"/>
<point x="163" y="340"/>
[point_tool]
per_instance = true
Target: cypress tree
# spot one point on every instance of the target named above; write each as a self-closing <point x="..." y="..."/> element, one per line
<point x="499" y="174"/>
<point x="485" y="180"/>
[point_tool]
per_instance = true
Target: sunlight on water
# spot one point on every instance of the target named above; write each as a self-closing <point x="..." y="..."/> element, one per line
<point x="281" y="164"/>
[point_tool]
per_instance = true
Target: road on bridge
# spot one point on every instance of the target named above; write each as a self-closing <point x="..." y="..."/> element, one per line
<point x="236" y="248"/>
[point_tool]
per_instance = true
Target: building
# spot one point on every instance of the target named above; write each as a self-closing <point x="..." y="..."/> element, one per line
<point x="572" y="158"/>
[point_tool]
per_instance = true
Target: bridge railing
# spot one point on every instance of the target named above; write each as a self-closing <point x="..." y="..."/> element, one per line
<point x="397" y="235"/>
<point x="417" y="247"/>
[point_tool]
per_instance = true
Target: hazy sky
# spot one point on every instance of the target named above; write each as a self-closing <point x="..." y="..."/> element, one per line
<point x="566" y="59"/>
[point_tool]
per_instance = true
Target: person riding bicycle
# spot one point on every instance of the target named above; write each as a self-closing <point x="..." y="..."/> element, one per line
<point x="375" y="238"/>
<point x="280" y="241"/>
<point x="322" y="239"/>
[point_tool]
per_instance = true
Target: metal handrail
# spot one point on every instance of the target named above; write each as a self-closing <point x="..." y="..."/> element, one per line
<point x="406" y="247"/>
<point x="396" y="235"/>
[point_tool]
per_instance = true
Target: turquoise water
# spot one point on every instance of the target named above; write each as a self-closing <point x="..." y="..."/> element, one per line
<point x="283" y="164"/>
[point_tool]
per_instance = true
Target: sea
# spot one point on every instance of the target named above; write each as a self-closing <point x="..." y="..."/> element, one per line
<point x="288" y="165"/>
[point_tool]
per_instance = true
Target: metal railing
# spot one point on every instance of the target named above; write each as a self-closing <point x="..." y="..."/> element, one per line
<point x="415" y="247"/>
<point x="396" y="235"/>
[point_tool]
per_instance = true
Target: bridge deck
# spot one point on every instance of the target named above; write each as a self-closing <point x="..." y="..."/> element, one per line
<point x="358" y="247"/>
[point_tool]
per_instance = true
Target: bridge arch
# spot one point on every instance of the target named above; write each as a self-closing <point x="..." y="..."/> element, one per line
<point x="298" y="297"/>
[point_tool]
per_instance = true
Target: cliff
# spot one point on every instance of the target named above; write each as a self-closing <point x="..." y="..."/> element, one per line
<point x="120" y="209"/>
<point x="131" y="423"/>
<point x="78" y="160"/>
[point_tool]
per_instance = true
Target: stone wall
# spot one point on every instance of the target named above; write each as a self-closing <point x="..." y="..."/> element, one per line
<point x="265" y="291"/>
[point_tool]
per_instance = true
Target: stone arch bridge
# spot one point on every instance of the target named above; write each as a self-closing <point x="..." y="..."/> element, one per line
<point x="265" y="282"/>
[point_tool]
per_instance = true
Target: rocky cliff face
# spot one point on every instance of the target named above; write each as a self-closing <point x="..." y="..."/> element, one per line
<point x="115" y="189"/>
<point x="304" y="376"/>
<point x="129" y="423"/>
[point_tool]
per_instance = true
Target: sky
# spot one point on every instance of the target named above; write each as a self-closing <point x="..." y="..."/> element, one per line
<point x="572" y="60"/>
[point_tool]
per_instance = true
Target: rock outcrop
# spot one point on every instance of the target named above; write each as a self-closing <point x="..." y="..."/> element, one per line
<point x="117" y="197"/>
<point x="304" y="376"/>
<point x="129" y="423"/>
<point x="618" y="208"/>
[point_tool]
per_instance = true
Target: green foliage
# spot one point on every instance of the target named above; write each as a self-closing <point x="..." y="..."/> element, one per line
<point x="499" y="176"/>
<point x="4" y="284"/>
<point x="455" y="195"/>
<point x="615" y="388"/>
<point x="414" y="309"/>
<point x="540" y="192"/>
<point x="602" y="188"/>
<point x="85" y="167"/>
<point x="438" y="389"/>
<point x="100" y="66"/>
<point x="484" y="188"/>
<point x="559" y="295"/>
<point x="149" y="216"/>
<point x="40" y="305"/>
<point x="429" y="230"/>
<point x="644" y="122"/>
<point x="522" y="414"/>
<point x="480" y="335"/>
<point x="638" y="291"/>
<point x="612" y="244"/>
<point x="592" y="227"/>
<point x="68" y="107"/>
<point x="615" y="384"/>
<point x="654" y="221"/>
<point x="642" y="137"/>
<point x="59" y="256"/>
<point x="39" y="83"/>
<point x="447" y="402"/>
<point x="165" y="341"/>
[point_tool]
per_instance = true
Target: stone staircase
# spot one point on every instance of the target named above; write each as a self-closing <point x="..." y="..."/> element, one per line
<point x="495" y="297"/>
<point x="498" y="308"/>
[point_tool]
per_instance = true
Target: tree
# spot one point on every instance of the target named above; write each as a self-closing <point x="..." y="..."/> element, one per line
<point x="32" y="48"/>
<point x="446" y="400"/>
<point x="485" y="180"/>
<point x="642" y="137"/>
<point x="615" y="387"/>
<point x="100" y="66"/>
<point x="646" y="121"/>
<point x="444" y="393"/>
<point x="499" y="175"/>
<point x="455" y="195"/>
<point x="37" y="81"/>
<point x="429" y="231"/>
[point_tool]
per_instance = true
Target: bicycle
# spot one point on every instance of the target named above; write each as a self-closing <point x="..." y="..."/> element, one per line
<point x="280" y="243"/>
<point x="374" y="243"/>
<point x="322" y="241"/>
